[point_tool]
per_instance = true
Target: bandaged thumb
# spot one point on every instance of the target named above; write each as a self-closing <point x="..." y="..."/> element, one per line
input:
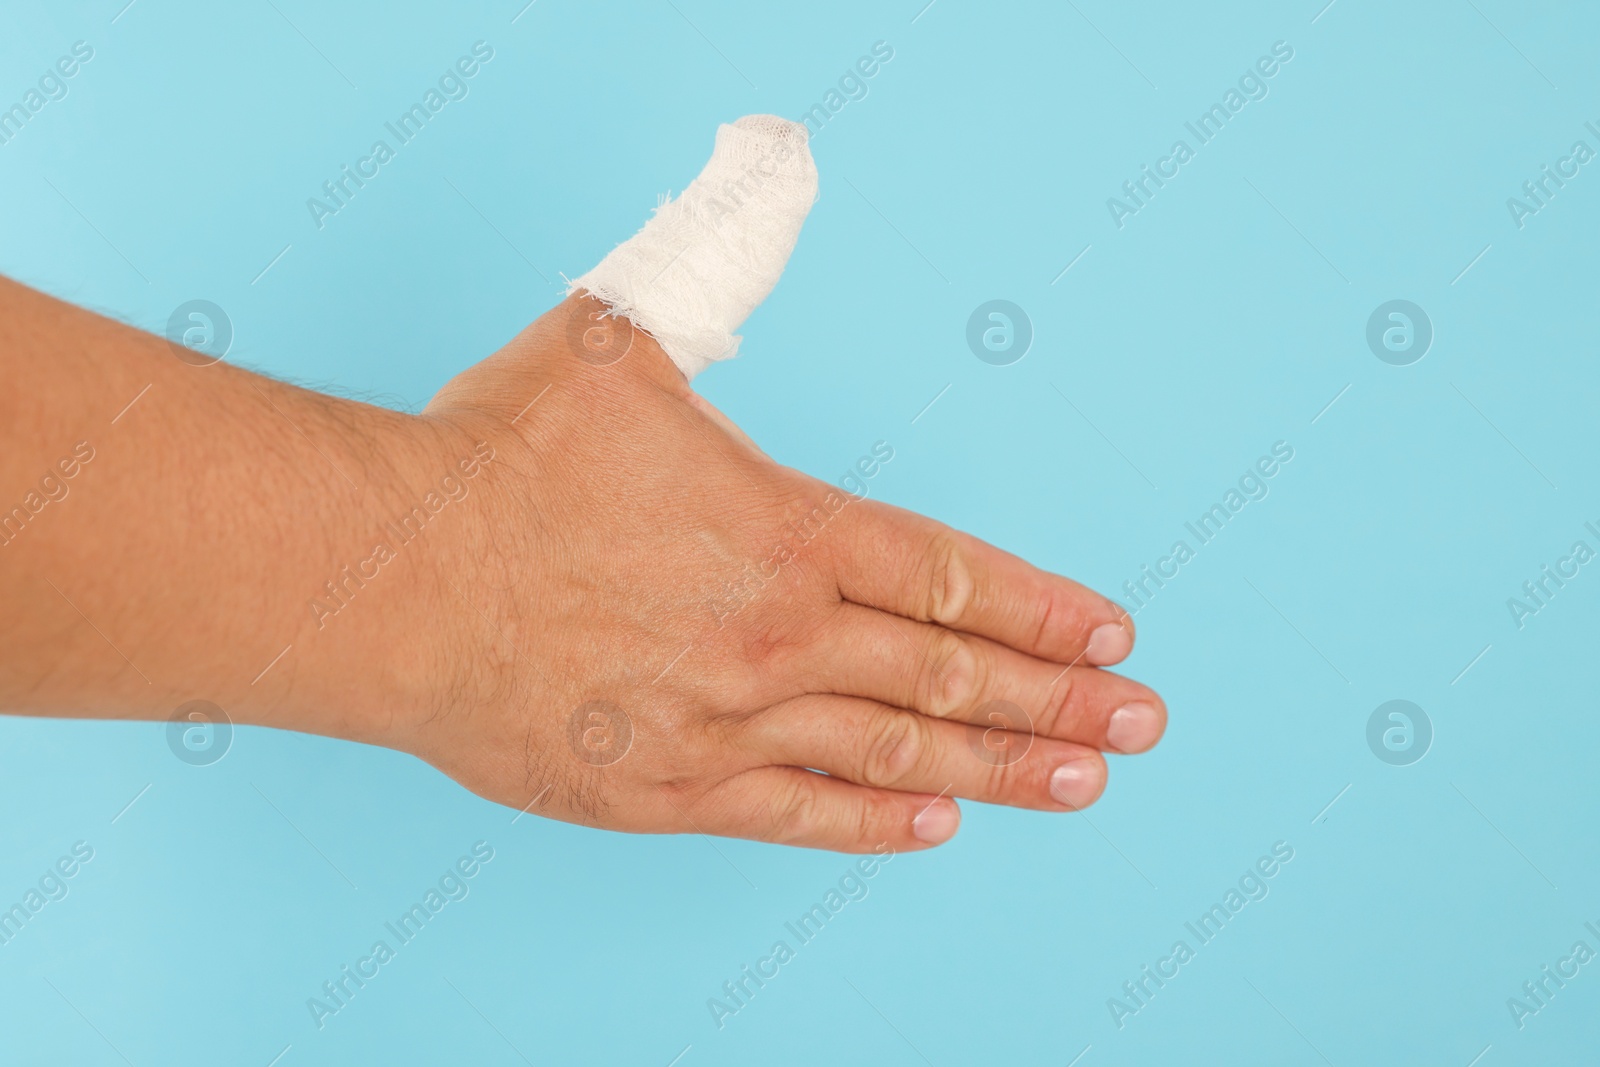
<point x="704" y="261"/>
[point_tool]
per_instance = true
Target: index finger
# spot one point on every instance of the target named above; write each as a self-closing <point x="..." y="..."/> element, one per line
<point x="912" y="566"/>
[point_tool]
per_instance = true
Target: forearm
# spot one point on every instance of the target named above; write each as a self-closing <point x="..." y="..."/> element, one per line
<point x="168" y="529"/>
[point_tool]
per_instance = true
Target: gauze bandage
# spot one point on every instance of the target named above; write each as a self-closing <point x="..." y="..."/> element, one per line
<point x="704" y="261"/>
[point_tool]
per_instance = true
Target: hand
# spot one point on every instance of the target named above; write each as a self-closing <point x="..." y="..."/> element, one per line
<point x="646" y="624"/>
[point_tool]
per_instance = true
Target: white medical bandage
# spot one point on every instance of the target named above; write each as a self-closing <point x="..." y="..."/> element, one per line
<point x="704" y="261"/>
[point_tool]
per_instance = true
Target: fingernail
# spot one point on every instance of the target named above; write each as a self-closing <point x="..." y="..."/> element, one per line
<point x="937" y="823"/>
<point x="1109" y="643"/>
<point x="1079" y="783"/>
<point x="1134" y="727"/>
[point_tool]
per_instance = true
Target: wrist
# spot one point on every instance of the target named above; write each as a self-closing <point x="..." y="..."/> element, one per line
<point x="373" y="614"/>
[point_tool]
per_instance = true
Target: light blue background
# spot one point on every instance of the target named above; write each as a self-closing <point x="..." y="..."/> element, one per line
<point x="1223" y="317"/>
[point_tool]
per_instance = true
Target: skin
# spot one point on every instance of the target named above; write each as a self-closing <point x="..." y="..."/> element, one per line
<point x="563" y="636"/>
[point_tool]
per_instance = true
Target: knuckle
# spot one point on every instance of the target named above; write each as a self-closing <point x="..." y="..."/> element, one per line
<point x="1063" y="709"/>
<point x="1061" y="620"/>
<point x="871" y="818"/>
<point x="797" y="812"/>
<point x="949" y="578"/>
<point x="1047" y="613"/>
<point x="997" y="779"/>
<point x="896" y="749"/>
<point x="949" y="674"/>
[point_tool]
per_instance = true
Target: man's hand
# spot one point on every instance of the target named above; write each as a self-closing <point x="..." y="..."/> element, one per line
<point x="669" y="631"/>
<point x="570" y="584"/>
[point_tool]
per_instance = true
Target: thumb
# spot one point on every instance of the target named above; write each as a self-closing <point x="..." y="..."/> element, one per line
<point x="704" y="261"/>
